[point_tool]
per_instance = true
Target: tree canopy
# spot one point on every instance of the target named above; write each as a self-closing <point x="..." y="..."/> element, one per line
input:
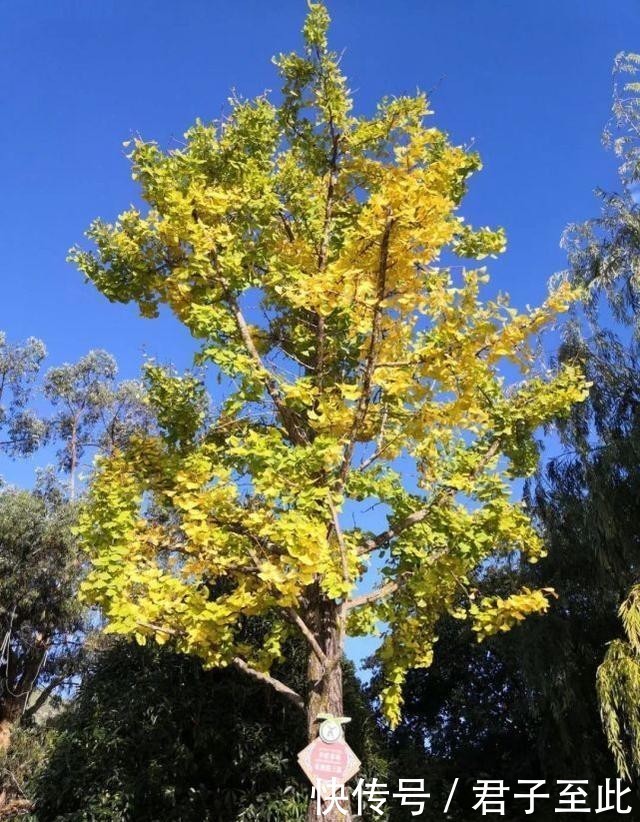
<point x="308" y="250"/>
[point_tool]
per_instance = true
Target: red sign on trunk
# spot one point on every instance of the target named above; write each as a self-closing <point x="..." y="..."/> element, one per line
<point x="328" y="765"/>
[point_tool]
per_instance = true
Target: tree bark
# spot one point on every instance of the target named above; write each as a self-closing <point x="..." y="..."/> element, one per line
<point x="6" y="727"/>
<point x="325" y="693"/>
<point x="10" y="713"/>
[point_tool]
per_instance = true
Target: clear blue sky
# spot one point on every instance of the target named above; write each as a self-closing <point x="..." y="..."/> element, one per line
<point x="530" y="83"/>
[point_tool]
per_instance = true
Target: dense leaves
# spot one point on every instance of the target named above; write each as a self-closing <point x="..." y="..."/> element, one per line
<point x="529" y="704"/>
<point x="153" y="736"/>
<point x="40" y="617"/>
<point x="301" y="245"/>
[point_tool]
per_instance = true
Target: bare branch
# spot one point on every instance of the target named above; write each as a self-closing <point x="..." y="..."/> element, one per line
<point x="372" y="596"/>
<point x="267" y="679"/>
<point x="340" y="538"/>
<point x="308" y="635"/>
<point x="386" y="536"/>
<point x="323" y="253"/>
<point x="270" y="381"/>
<point x="287" y="226"/>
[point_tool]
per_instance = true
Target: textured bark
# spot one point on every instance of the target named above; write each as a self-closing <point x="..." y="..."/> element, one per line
<point x="10" y="713"/>
<point x="6" y="727"/>
<point x="325" y="690"/>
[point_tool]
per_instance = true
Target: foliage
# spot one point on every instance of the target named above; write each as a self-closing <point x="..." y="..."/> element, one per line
<point x="301" y="245"/>
<point x="39" y="615"/>
<point x="587" y="501"/>
<point x="20" y="768"/>
<point x="603" y="252"/>
<point x="22" y="430"/>
<point x="516" y="707"/>
<point x="528" y="704"/>
<point x="619" y="690"/>
<point x="41" y="621"/>
<point x="496" y="614"/>
<point x="604" y="255"/>
<point x="81" y="406"/>
<point x="91" y="410"/>
<point x="153" y="736"/>
<point x="466" y="717"/>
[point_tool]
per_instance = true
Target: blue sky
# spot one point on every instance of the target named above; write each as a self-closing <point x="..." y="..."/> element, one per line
<point x="529" y="83"/>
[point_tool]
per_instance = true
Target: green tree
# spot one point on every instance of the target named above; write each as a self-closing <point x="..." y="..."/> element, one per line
<point x="300" y="244"/>
<point x="40" y="617"/>
<point x="21" y="430"/>
<point x="92" y="411"/>
<point x="604" y="254"/>
<point x="619" y="690"/>
<point x="214" y="744"/>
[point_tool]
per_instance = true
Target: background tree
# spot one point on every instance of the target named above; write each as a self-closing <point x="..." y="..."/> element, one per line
<point x="300" y="244"/>
<point x="604" y="255"/>
<point x="41" y="622"/>
<point x="215" y="744"/>
<point x="91" y="409"/>
<point x="21" y="430"/>
<point x="531" y="700"/>
<point x="619" y="689"/>
<point x="588" y="501"/>
<point x="603" y="252"/>
<point x="40" y="617"/>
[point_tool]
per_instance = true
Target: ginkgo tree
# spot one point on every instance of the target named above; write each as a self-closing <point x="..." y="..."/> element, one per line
<point x="306" y="249"/>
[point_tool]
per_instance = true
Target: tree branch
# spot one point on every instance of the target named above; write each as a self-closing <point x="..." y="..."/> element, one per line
<point x="42" y="697"/>
<point x="270" y="381"/>
<point x="365" y="395"/>
<point x="241" y="665"/>
<point x="323" y="253"/>
<point x="297" y="620"/>
<point x="267" y="679"/>
<point x="421" y="514"/>
<point x="340" y="538"/>
<point x="308" y="635"/>
<point x="372" y="596"/>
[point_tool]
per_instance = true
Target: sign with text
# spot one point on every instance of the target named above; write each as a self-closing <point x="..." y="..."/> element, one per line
<point x="328" y="764"/>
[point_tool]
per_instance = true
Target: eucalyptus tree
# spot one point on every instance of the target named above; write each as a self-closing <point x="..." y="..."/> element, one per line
<point x="91" y="411"/>
<point x="80" y="409"/>
<point x="21" y="429"/>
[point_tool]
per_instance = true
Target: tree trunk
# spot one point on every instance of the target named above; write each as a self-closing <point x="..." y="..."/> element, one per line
<point x="10" y="713"/>
<point x="20" y="678"/>
<point x="325" y="694"/>
<point x="6" y="727"/>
